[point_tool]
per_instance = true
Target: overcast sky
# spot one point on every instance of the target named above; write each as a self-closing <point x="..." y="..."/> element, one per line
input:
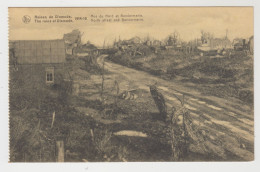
<point x="158" y="23"/>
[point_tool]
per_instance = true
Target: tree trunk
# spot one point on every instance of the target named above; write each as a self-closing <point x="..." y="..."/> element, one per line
<point x="159" y="101"/>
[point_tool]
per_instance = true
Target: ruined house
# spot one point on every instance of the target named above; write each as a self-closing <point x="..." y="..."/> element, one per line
<point x="87" y="49"/>
<point x="73" y="37"/>
<point x="131" y="42"/>
<point x="135" y="40"/>
<point x="173" y="42"/>
<point x="215" y="44"/>
<point x="220" y="43"/>
<point x="72" y="40"/>
<point x="39" y="61"/>
<point x="210" y="43"/>
<point x="242" y="44"/>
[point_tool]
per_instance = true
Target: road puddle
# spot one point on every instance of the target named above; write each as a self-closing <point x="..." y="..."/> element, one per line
<point x="232" y="114"/>
<point x="201" y="102"/>
<point x="163" y="88"/>
<point x="190" y="108"/>
<point x="130" y="133"/>
<point x="193" y="99"/>
<point x="220" y="122"/>
<point x="247" y="121"/>
<point x="214" y="107"/>
<point x="198" y="123"/>
<point x="169" y="105"/>
<point x="194" y="114"/>
<point x="143" y="87"/>
<point x="178" y="94"/>
<point x="243" y="133"/>
<point x="170" y="98"/>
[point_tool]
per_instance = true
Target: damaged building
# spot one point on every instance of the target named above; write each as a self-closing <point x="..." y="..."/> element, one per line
<point x="72" y="40"/>
<point x="87" y="49"/>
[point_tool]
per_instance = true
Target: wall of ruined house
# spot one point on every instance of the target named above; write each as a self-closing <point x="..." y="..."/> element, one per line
<point x="33" y="76"/>
<point x="220" y="43"/>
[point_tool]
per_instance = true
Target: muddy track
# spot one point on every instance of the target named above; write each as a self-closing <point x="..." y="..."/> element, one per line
<point x="228" y="122"/>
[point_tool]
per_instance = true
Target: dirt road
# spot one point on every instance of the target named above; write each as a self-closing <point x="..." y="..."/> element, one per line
<point x="228" y="123"/>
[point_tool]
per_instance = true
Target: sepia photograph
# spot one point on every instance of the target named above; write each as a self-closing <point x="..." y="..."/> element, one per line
<point x="131" y="84"/>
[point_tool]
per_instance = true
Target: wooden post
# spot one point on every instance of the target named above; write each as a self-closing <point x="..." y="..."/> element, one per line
<point x="60" y="151"/>
<point x="117" y="92"/>
<point x="175" y="137"/>
<point x="53" y="119"/>
<point x="75" y="89"/>
<point x="103" y="80"/>
<point x="92" y="135"/>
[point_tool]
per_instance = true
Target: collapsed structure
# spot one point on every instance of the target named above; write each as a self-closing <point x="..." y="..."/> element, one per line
<point x="72" y="40"/>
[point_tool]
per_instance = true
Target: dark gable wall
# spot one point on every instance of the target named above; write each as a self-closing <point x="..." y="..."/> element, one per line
<point x="34" y="75"/>
<point x="32" y="57"/>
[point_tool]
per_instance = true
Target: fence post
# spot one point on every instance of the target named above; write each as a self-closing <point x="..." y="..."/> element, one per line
<point x="60" y="151"/>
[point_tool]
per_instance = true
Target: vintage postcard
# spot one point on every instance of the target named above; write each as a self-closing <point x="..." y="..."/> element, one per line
<point x="131" y="84"/>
